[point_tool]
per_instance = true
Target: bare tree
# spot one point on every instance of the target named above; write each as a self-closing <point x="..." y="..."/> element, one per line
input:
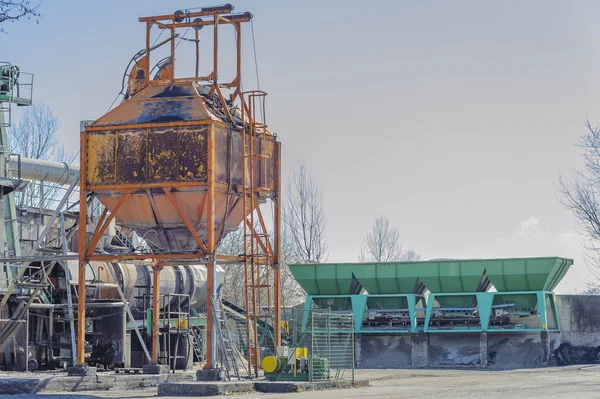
<point x="234" y="286"/>
<point x="14" y="10"/>
<point x="291" y="292"/>
<point x="580" y="193"/>
<point x="304" y="218"/>
<point x="382" y="244"/>
<point x="36" y="136"/>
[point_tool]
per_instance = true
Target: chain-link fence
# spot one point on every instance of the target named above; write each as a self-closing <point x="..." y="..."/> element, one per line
<point x="329" y="337"/>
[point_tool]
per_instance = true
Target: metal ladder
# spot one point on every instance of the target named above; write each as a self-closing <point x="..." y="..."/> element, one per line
<point x="258" y="251"/>
<point x="123" y="239"/>
<point x="197" y="344"/>
<point x="224" y="341"/>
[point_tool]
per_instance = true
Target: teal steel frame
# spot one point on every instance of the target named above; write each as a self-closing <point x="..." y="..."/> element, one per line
<point x="359" y="307"/>
<point x="485" y="304"/>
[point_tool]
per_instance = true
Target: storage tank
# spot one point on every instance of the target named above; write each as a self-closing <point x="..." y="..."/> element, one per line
<point x="136" y="281"/>
<point x="169" y="135"/>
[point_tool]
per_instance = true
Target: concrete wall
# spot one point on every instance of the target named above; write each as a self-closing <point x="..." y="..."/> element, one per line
<point x="578" y="342"/>
<point x="579" y="317"/>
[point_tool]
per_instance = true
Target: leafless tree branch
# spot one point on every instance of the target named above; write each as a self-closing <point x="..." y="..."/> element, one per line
<point x="382" y="244"/>
<point x="304" y="217"/>
<point x="580" y="194"/>
<point x="36" y="136"/>
<point x="12" y="11"/>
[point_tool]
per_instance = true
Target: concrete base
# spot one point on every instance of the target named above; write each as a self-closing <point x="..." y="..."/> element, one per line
<point x="155" y="369"/>
<point x="225" y="388"/>
<point x="419" y="350"/>
<point x="285" y="387"/>
<point x="483" y="349"/>
<point x="81" y="371"/>
<point x="203" y="388"/>
<point x="209" y="375"/>
<point x="16" y="383"/>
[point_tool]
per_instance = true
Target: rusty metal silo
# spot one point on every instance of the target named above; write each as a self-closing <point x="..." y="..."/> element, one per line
<point x="183" y="166"/>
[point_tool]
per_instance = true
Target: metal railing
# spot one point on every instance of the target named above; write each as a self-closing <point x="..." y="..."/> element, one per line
<point x="329" y="337"/>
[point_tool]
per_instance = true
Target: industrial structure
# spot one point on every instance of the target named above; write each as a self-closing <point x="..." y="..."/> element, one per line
<point x="114" y="262"/>
<point x="123" y="271"/>
<point x="439" y="296"/>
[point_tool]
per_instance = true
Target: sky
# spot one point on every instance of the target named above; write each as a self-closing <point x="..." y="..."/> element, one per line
<point x="453" y="119"/>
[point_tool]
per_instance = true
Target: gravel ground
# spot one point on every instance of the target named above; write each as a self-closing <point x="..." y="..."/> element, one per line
<point x="565" y="382"/>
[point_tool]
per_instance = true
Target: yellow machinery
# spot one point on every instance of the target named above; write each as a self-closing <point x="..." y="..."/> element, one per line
<point x="294" y="365"/>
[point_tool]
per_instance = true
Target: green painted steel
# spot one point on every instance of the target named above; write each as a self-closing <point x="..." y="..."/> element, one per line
<point x="439" y="276"/>
<point x="533" y="274"/>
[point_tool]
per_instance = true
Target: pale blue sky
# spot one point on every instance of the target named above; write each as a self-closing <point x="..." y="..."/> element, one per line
<point x="451" y="118"/>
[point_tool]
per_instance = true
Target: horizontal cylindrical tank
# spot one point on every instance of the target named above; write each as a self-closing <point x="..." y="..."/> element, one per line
<point x="136" y="281"/>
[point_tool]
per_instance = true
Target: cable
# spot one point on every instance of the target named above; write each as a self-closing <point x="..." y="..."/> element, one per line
<point x="255" y="58"/>
<point x="181" y="37"/>
<point x="256" y="66"/>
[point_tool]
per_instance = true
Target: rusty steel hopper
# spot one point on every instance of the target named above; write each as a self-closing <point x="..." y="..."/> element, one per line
<point x="150" y="157"/>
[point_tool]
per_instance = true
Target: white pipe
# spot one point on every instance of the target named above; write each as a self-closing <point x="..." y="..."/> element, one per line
<point x="52" y="172"/>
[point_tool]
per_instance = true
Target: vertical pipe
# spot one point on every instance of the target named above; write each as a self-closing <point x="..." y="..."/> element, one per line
<point x="210" y="227"/>
<point x="82" y="247"/>
<point x="155" y="313"/>
<point x="147" y="71"/>
<point x="277" y="247"/>
<point x="197" y="54"/>
<point x="27" y="341"/>
<point x="50" y="333"/>
<point x="172" y="53"/>
<point x="238" y="28"/>
<point x="216" y="51"/>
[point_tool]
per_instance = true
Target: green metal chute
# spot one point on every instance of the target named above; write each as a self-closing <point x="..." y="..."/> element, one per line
<point x="453" y="276"/>
<point x="439" y="276"/>
<point x="526" y="274"/>
<point x="388" y="278"/>
<point x="326" y="279"/>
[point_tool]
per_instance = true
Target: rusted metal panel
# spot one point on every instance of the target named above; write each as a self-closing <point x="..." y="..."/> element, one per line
<point x="162" y="154"/>
<point x="192" y="153"/>
<point x="130" y="163"/>
<point x="101" y="158"/>
<point x="147" y="155"/>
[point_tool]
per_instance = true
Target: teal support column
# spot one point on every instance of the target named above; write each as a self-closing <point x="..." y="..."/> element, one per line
<point x="485" y="301"/>
<point x="430" y="300"/>
<point x="359" y="303"/>
<point x="541" y="298"/>
<point x="307" y="306"/>
<point x="412" y="312"/>
<point x="554" y="309"/>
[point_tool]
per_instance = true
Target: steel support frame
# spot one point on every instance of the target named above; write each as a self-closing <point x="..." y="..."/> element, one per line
<point x="359" y="307"/>
<point x="271" y="253"/>
<point x="86" y="249"/>
<point x="485" y="301"/>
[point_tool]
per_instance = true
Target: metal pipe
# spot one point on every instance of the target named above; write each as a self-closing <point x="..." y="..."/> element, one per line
<point x="82" y="249"/>
<point x="210" y="231"/>
<point x="100" y="305"/>
<point x="155" y="313"/>
<point x="37" y="169"/>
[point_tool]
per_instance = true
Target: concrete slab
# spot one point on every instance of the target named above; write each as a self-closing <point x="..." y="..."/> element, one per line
<point x="286" y="387"/>
<point x="81" y="371"/>
<point x="209" y="375"/>
<point x="204" y="388"/>
<point x="43" y="383"/>
<point x="155" y="369"/>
